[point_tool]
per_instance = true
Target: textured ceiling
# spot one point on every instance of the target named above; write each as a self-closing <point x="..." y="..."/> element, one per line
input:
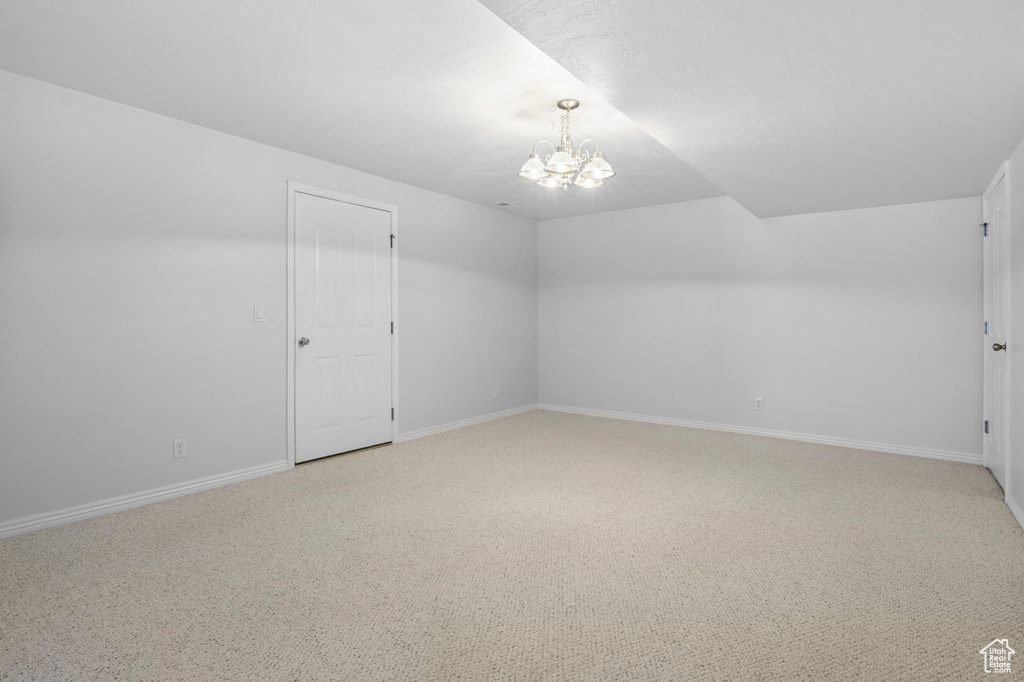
<point x="790" y="106"/>
<point x="441" y="95"/>
<point x="796" y="106"/>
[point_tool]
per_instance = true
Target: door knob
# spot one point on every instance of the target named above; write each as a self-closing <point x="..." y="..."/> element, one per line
<point x="303" y="342"/>
<point x="998" y="346"/>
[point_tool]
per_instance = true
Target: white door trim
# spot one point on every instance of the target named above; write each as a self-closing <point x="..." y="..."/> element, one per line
<point x="1002" y="174"/>
<point x="299" y="188"/>
<point x="1004" y="170"/>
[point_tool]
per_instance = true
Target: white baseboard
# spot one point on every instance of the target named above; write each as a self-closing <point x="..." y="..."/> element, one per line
<point x="1016" y="510"/>
<point x="465" y="422"/>
<point x="28" y="524"/>
<point x="966" y="457"/>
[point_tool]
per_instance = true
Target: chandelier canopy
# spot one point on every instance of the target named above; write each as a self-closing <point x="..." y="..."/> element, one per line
<point x="565" y="165"/>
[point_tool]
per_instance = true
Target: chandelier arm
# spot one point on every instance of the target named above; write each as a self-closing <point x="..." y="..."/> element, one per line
<point x="543" y="140"/>
<point x="597" y="147"/>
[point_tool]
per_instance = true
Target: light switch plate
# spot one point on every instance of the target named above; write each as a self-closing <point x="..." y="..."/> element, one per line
<point x="257" y="313"/>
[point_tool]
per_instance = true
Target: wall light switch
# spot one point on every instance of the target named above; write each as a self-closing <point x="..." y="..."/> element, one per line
<point x="257" y="313"/>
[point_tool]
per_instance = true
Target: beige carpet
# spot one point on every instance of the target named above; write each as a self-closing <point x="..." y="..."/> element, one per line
<point x="543" y="546"/>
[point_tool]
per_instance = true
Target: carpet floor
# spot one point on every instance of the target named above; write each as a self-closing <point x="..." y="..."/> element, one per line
<point x="542" y="546"/>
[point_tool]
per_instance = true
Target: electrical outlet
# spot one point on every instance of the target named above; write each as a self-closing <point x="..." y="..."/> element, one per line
<point x="179" y="448"/>
<point x="758" y="404"/>
<point x="495" y="391"/>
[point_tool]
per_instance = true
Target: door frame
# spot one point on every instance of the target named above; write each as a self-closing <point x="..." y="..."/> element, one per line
<point x="1003" y="174"/>
<point x="299" y="188"/>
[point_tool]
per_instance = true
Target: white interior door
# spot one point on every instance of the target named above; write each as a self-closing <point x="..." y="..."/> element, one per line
<point x="343" y="329"/>
<point x="997" y="314"/>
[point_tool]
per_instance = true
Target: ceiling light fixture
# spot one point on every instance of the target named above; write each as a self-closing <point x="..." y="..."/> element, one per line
<point x="567" y="166"/>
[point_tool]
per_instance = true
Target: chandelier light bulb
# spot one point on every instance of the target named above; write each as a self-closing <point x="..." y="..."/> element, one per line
<point x="597" y="169"/>
<point x="533" y="169"/>
<point x="588" y="183"/>
<point x="561" y="162"/>
<point x="552" y="182"/>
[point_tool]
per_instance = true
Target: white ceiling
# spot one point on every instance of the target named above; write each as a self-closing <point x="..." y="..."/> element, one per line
<point x="797" y="106"/>
<point x="790" y="106"/>
<point x="441" y="95"/>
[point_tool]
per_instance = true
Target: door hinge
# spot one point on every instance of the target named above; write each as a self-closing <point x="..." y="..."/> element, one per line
<point x="984" y="227"/>
<point x="986" y="329"/>
<point x="393" y="418"/>
<point x="392" y="241"/>
<point x="393" y="327"/>
<point x="986" y="426"/>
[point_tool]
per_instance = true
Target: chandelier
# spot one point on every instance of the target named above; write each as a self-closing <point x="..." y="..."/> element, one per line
<point x="567" y="166"/>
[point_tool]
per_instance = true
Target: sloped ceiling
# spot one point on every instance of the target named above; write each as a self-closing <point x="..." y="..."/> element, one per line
<point x="790" y="106"/>
<point x="440" y="95"/>
<point x="797" y="106"/>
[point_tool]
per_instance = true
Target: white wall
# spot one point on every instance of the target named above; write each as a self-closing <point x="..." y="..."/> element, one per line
<point x="1015" y="473"/>
<point x="132" y="249"/>
<point x="855" y="325"/>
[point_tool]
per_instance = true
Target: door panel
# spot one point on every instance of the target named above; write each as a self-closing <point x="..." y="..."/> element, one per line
<point x="365" y="263"/>
<point x="997" y="319"/>
<point x="364" y="381"/>
<point x="328" y="395"/>
<point x="328" y="251"/>
<point x="343" y="306"/>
